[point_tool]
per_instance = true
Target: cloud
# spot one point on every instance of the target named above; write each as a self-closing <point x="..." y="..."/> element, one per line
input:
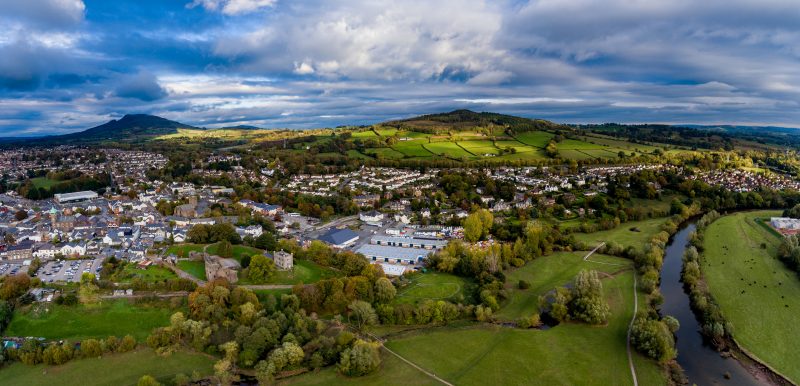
<point x="43" y="14"/>
<point x="143" y="86"/>
<point x="232" y="7"/>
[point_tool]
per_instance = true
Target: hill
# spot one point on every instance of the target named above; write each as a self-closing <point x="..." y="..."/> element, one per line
<point x="464" y="120"/>
<point x="129" y="127"/>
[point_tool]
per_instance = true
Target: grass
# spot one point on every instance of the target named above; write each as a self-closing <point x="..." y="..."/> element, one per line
<point x="304" y="271"/>
<point x="385" y="152"/>
<point x="43" y="182"/>
<point x="151" y="274"/>
<point x="546" y="273"/>
<point x="239" y="251"/>
<point x="393" y="371"/>
<point x="479" y="148"/>
<point x="447" y="149"/>
<point x="182" y="250"/>
<point x="756" y="292"/>
<point x="364" y="134"/>
<point x="538" y="139"/>
<point x="412" y="149"/>
<point x="576" y="145"/>
<point x="433" y="285"/>
<point x="624" y="235"/>
<point x="568" y="354"/>
<point x="117" y="317"/>
<point x="195" y="268"/>
<point x="117" y="369"/>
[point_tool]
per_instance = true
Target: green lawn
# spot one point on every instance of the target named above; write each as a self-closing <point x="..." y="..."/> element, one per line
<point x="196" y="268"/>
<point x="432" y="285"/>
<point x="239" y="251"/>
<point x="757" y="294"/>
<point x="548" y="272"/>
<point x="568" y="354"/>
<point x="118" y="317"/>
<point x="624" y="235"/>
<point x="535" y="138"/>
<point x="182" y="250"/>
<point x="111" y="370"/>
<point x="447" y="149"/>
<point x="43" y="182"/>
<point x="151" y="274"/>
<point x="305" y="272"/>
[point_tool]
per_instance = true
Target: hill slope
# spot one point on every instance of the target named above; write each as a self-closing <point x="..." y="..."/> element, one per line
<point x="461" y="120"/>
<point x="129" y="127"/>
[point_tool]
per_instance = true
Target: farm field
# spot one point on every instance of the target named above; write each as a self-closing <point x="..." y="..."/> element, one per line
<point x="386" y="152"/>
<point x="574" y="154"/>
<point x="479" y="148"/>
<point x="567" y="354"/>
<point x="756" y="292"/>
<point x="447" y="149"/>
<point x="116" y="369"/>
<point x="412" y="149"/>
<point x="521" y="147"/>
<point x="432" y="285"/>
<point x="546" y="273"/>
<point x="572" y="144"/>
<point x="117" y="317"/>
<point x="195" y="268"/>
<point x="624" y="235"/>
<point x="535" y="138"/>
<point x="388" y="132"/>
<point x="364" y="134"/>
<point x="357" y="154"/>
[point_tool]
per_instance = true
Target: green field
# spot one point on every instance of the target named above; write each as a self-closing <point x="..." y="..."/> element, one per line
<point x="574" y="154"/>
<point x="118" y="317"/>
<point x="239" y="251"/>
<point x="624" y="235"/>
<point x="479" y="148"/>
<point x="111" y="370"/>
<point x="756" y="292"/>
<point x="385" y="152"/>
<point x="151" y="274"/>
<point x="304" y="271"/>
<point x="43" y="182"/>
<point x="535" y="138"/>
<point x="182" y="250"/>
<point x="548" y="272"/>
<point x="432" y="285"/>
<point x="196" y="268"/>
<point x="521" y="148"/>
<point x="357" y="154"/>
<point x="412" y="149"/>
<point x="364" y="134"/>
<point x="576" y="145"/>
<point x="568" y="354"/>
<point x="447" y="149"/>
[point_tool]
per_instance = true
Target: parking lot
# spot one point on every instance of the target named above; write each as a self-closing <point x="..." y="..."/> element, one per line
<point x="69" y="270"/>
<point x="9" y="268"/>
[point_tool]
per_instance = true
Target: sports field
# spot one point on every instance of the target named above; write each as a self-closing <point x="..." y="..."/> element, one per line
<point x="756" y="292"/>
<point x="433" y="286"/>
<point x="112" y="369"/>
<point x="117" y="317"/>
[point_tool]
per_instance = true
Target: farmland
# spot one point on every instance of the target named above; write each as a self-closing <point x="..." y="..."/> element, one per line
<point x="756" y="292"/>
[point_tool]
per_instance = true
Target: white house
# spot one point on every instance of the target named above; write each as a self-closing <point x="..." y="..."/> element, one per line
<point x="254" y="230"/>
<point x="73" y="250"/>
<point x="46" y="252"/>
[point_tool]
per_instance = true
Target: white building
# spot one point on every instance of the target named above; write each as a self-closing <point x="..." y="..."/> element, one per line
<point x="76" y="196"/>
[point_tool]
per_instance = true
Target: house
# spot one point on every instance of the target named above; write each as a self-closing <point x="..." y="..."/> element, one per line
<point x="112" y="239"/>
<point x="339" y="238"/>
<point x="372" y="217"/>
<point x="20" y="251"/>
<point x="72" y="249"/>
<point x="47" y="252"/>
<point x="284" y="261"/>
<point x="366" y="199"/>
<point x="186" y="210"/>
<point x="65" y="224"/>
<point x="254" y="230"/>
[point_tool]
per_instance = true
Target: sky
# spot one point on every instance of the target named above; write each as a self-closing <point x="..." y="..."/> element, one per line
<point x="67" y="65"/>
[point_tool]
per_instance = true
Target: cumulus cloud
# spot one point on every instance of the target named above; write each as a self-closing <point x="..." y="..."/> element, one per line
<point x="143" y="86"/>
<point x="232" y="7"/>
<point x="45" y="14"/>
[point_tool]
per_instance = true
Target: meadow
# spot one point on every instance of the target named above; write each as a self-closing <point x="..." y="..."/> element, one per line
<point x="535" y="138"/>
<point x="151" y="274"/>
<point x="115" y="369"/>
<point x="624" y="235"/>
<point x="305" y="272"/>
<point x="183" y="250"/>
<point x="196" y="268"/>
<point x="758" y="295"/>
<point x="112" y="317"/>
<point x="43" y="182"/>
<point x="431" y="286"/>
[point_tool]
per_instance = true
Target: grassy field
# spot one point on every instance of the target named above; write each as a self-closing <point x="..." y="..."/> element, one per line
<point x="568" y="354"/>
<point x="479" y="148"/>
<point x="576" y="145"/>
<point x="412" y="149"/>
<point x="182" y="250"/>
<point x="447" y="149"/>
<point x="195" y="268"/>
<point x="385" y="152"/>
<point x="757" y="294"/>
<point x="624" y="235"/>
<point x="151" y="274"/>
<point x="239" y="251"/>
<point x="433" y="285"/>
<point x="304" y="272"/>
<point x="118" y="317"/>
<point x="393" y="371"/>
<point x="546" y="273"/>
<point x="112" y="370"/>
<point x="43" y="182"/>
<point x="535" y="138"/>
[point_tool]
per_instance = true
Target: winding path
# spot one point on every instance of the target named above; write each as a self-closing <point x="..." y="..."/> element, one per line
<point x="630" y="327"/>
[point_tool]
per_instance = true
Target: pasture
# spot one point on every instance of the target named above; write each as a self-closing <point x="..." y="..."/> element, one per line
<point x="756" y="292"/>
<point x="447" y="149"/>
<point x="535" y="138"/>
<point x="431" y="286"/>
<point x="112" y="317"/>
<point x="114" y="369"/>
<point x="632" y="233"/>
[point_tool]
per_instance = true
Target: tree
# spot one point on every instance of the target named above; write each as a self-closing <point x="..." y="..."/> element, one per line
<point x="147" y="380"/>
<point x="266" y="242"/>
<point x="261" y="269"/>
<point x="127" y="343"/>
<point x="362" y="314"/>
<point x="384" y="290"/>
<point x="14" y="286"/>
<point x="87" y="292"/>
<point x="225" y="249"/>
<point x="361" y="359"/>
<point x="588" y="303"/>
<point x="551" y="149"/>
<point x="20" y="215"/>
<point x="653" y="338"/>
<point x="473" y="228"/>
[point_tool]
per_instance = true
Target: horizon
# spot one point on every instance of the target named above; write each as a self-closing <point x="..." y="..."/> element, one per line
<point x="69" y="65"/>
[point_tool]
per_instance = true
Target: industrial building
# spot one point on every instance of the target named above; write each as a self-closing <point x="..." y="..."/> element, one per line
<point x="62" y="198"/>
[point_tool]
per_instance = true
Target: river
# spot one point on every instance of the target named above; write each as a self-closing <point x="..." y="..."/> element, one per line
<point x="703" y="365"/>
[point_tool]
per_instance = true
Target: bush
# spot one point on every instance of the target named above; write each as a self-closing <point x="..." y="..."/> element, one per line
<point x="523" y="285"/>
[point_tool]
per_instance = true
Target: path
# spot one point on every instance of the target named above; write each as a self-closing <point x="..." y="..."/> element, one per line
<point x="417" y="367"/>
<point x="142" y="295"/>
<point x="594" y="250"/>
<point x="265" y="286"/>
<point x="630" y="327"/>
